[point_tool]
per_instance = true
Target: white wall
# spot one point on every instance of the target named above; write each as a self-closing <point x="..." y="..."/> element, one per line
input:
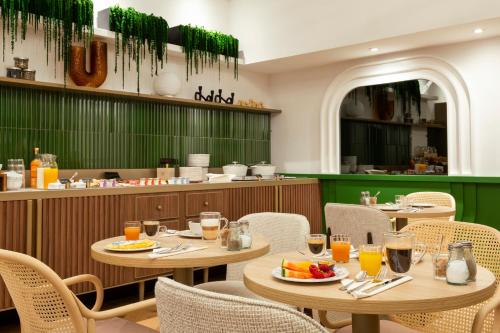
<point x="296" y="132"/>
<point x="249" y="84"/>
<point x="292" y="27"/>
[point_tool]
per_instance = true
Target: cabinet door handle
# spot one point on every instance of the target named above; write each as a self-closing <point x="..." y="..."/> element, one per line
<point x="206" y="203"/>
<point x="159" y="207"/>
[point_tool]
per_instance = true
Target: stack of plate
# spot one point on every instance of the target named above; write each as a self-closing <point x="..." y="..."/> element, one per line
<point x="199" y="160"/>
<point x="195" y="174"/>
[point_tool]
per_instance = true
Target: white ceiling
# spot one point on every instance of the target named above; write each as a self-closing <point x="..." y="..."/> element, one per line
<point x="282" y="35"/>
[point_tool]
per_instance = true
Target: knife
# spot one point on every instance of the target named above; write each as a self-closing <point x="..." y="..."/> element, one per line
<point x="375" y="288"/>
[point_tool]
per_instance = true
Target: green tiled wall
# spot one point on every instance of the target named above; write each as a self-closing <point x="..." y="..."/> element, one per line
<point x="87" y="131"/>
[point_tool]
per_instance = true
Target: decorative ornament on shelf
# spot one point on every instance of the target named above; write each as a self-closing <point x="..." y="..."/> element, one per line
<point x="138" y="32"/>
<point x="167" y="84"/>
<point x="219" y="99"/>
<point x="202" y="47"/>
<point x="98" y="65"/>
<point x="63" y="22"/>
<point x="250" y="103"/>
<point x="213" y="98"/>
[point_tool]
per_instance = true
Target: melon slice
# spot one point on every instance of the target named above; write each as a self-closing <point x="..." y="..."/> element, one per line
<point x="299" y="266"/>
<point x="294" y="274"/>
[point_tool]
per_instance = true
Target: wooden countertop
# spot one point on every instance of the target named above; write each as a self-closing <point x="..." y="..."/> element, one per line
<point x="29" y="194"/>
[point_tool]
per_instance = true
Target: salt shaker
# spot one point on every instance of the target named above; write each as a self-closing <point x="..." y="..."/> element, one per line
<point x="246" y="238"/>
<point x="469" y="259"/>
<point x="457" y="271"/>
<point x="233" y="237"/>
<point x="364" y="198"/>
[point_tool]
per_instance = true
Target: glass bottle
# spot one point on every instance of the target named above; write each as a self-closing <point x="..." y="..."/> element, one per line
<point x="233" y="237"/>
<point x="34" y="165"/>
<point x="457" y="271"/>
<point x="246" y="237"/>
<point x="469" y="259"/>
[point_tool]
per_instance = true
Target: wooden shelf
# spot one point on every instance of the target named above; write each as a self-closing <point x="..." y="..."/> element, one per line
<point x="143" y="97"/>
<point x="386" y="122"/>
<point x="429" y="97"/>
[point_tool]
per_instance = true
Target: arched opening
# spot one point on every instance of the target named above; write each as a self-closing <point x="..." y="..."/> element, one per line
<point x="428" y="68"/>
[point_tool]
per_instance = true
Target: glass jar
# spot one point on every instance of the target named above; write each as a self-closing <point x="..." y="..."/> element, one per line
<point x="246" y="237"/>
<point x="469" y="259"/>
<point x="17" y="166"/>
<point x="457" y="272"/>
<point x="364" y="199"/>
<point x="233" y="237"/>
<point x="48" y="172"/>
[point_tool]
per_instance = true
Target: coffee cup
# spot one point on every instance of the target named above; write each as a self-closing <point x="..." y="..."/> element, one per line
<point x="195" y="228"/>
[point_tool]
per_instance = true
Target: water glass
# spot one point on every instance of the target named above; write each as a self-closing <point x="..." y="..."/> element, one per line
<point x="341" y="247"/>
<point x="399" y="200"/>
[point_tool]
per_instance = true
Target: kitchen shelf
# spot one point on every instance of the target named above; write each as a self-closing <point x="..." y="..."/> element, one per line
<point x="143" y="97"/>
<point x="377" y="121"/>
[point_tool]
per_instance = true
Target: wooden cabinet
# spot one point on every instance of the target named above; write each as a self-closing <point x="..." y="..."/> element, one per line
<point x="247" y="200"/>
<point x="304" y="199"/>
<point x="69" y="226"/>
<point x="204" y="201"/>
<point x="15" y="235"/>
<point x="157" y="207"/>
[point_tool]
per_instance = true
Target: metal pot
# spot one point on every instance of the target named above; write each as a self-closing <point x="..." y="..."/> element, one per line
<point x="239" y="170"/>
<point x="263" y="169"/>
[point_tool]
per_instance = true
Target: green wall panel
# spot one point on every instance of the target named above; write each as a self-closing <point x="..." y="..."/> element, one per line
<point x="87" y="131"/>
<point x="476" y="197"/>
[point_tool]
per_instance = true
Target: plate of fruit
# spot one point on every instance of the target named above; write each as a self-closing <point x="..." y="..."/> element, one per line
<point x="309" y="272"/>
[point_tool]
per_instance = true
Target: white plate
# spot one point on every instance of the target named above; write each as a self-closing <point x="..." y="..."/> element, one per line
<point x="188" y="234"/>
<point x="340" y="273"/>
<point x="109" y="248"/>
<point x="389" y="207"/>
<point x="423" y="205"/>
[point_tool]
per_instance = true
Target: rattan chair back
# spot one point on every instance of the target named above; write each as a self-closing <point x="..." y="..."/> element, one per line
<point x="436" y="198"/>
<point x="357" y="221"/>
<point x="183" y="309"/>
<point x="486" y="248"/>
<point x="41" y="298"/>
<point x="284" y="232"/>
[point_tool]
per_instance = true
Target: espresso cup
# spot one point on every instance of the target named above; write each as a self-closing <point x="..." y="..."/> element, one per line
<point x="153" y="228"/>
<point x="194" y="227"/>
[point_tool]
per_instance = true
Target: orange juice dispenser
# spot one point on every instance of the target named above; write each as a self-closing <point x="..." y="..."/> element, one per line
<point x="48" y="172"/>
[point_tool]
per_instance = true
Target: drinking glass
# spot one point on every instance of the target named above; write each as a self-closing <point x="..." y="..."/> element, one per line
<point x="132" y="230"/>
<point x="153" y="228"/>
<point x="370" y="259"/>
<point x="399" y="200"/>
<point x="316" y="243"/>
<point x="210" y="225"/>
<point x="341" y="247"/>
<point x="398" y="250"/>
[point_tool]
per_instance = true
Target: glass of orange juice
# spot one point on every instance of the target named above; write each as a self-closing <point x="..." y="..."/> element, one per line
<point x="132" y="230"/>
<point x="370" y="259"/>
<point x="341" y="246"/>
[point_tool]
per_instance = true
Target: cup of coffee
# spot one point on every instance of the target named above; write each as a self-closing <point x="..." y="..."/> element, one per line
<point x="195" y="228"/>
<point x="399" y="247"/>
<point x="153" y="228"/>
<point x="211" y="224"/>
<point x="316" y="244"/>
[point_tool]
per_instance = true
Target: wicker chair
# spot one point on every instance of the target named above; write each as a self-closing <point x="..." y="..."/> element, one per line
<point x="357" y="221"/>
<point x="285" y="232"/>
<point x="186" y="309"/>
<point x="437" y="198"/>
<point x="486" y="242"/>
<point x="46" y="304"/>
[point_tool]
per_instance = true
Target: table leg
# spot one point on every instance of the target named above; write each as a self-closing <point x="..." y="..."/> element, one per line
<point x="365" y="323"/>
<point x="184" y="276"/>
<point x="401" y="222"/>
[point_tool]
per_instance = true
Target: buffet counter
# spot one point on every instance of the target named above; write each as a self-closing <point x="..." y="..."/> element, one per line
<point x="59" y="226"/>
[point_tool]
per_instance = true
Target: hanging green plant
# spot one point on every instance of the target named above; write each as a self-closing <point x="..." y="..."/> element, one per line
<point x="64" y="21"/>
<point x="408" y="92"/>
<point x="202" y="47"/>
<point x="138" y="31"/>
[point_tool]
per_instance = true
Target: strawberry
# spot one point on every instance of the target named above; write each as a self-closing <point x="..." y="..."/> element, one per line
<point x="324" y="268"/>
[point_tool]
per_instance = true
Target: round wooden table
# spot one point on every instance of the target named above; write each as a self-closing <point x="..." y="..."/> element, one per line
<point x="182" y="264"/>
<point x="422" y="294"/>
<point x="403" y="215"/>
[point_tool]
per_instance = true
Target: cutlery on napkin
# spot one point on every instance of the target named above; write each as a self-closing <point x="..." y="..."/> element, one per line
<point x="160" y="254"/>
<point x="374" y="289"/>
